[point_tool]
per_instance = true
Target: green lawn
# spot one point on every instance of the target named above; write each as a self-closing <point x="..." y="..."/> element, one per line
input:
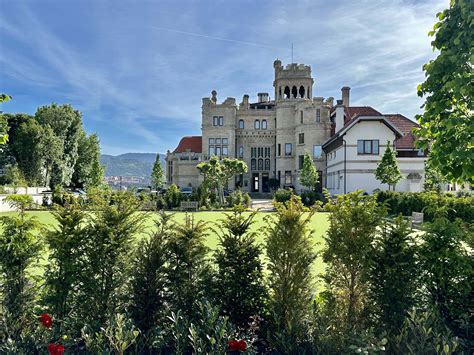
<point x="319" y="225"/>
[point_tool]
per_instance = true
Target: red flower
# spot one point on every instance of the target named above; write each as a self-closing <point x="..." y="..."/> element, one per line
<point x="237" y="345"/>
<point x="46" y="320"/>
<point x="55" y="349"/>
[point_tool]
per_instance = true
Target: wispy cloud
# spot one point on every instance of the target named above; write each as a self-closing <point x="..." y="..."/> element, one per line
<point x="138" y="73"/>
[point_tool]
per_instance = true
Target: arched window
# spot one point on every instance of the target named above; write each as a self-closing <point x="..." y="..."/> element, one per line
<point x="241" y="124"/>
<point x="302" y="91"/>
<point x="301" y="116"/>
<point x="241" y="152"/>
<point x="287" y="92"/>
<point x="267" y="164"/>
<point x="294" y="92"/>
<point x="257" y="124"/>
<point x="260" y="164"/>
<point x="253" y="164"/>
<point x="264" y="124"/>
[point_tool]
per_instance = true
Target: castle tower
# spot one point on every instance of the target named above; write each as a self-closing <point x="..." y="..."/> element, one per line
<point x="292" y="82"/>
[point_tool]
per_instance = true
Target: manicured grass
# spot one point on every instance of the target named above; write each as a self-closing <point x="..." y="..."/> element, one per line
<point x="319" y="225"/>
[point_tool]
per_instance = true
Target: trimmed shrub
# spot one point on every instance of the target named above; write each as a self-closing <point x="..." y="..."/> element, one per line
<point x="283" y="195"/>
<point x="309" y="198"/>
<point x="432" y="204"/>
<point x="238" y="198"/>
<point x="173" y="197"/>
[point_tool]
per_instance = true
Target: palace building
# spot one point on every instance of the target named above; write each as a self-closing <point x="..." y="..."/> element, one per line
<point x="272" y="136"/>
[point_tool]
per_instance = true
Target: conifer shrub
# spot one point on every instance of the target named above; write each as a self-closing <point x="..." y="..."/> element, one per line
<point x="283" y="195"/>
<point x="240" y="289"/>
<point x="290" y="255"/>
<point x="238" y="197"/>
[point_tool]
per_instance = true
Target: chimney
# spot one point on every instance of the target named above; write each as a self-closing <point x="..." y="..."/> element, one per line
<point x="339" y="115"/>
<point x="262" y="97"/>
<point x="345" y="95"/>
<point x="245" y="102"/>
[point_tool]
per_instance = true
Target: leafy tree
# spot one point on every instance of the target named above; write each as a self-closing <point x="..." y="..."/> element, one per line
<point x="28" y="147"/>
<point x="354" y="219"/>
<point x="148" y="280"/>
<point x="290" y="257"/>
<point x="447" y="268"/>
<point x="239" y="288"/>
<point x="433" y="178"/>
<point x="446" y="127"/>
<point x="52" y="153"/>
<point x="106" y="251"/>
<point x="88" y="172"/>
<point x="387" y="171"/>
<point x="172" y="196"/>
<point x="217" y="173"/>
<point x="3" y="123"/>
<point x="393" y="275"/>
<point x="66" y="124"/>
<point x="66" y="245"/>
<point x="157" y="174"/>
<point x="19" y="247"/>
<point x="309" y="176"/>
<point x="188" y="268"/>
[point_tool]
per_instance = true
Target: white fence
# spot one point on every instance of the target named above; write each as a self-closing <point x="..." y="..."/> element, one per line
<point x="37" y="193"/>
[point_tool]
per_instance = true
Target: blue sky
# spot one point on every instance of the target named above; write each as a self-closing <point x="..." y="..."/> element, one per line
<point x="137" y="70"/>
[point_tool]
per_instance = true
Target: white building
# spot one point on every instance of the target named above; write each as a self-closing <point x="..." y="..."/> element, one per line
<point x="358" y="144"/>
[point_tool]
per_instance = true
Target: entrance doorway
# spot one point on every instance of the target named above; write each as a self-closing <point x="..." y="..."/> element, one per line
<point x="265" y="187"/>
<point x="255" y="183"/>
<point x="319" y="186"/>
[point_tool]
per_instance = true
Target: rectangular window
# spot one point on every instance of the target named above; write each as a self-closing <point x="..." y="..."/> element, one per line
<point x="279" y="177"/>
<point x="241" y="124"/>
<point x="241" y="152"/>
<point x="253" y="152"/>
<point x="215" y="121"/>
<point x="260" y="164"/>
<point x="368" y="147"/>
<point x="301" y="138"/>
<point x="287" y="177"/>
<point x="224" y="140"/>
<point x="211" y="140"/>
<point x="257" y="124"/>
<point x="221" y="121"/>
<point x="218" y="141"/>
<point x="288" y="149"/>
<point x="267" y="164"/>
<point x="264" y="124"/>
<point x="317" y="151"/>
<point x="267" y="152"/>
<point x="260" y="152"/>
<point x="300" y="161"/>
<point x="225" y="150"/>
<point x="218" y="151"/>
<point x="211" y="150"/>
<point x="279" y="149"/>
<point x="318" y="115"/>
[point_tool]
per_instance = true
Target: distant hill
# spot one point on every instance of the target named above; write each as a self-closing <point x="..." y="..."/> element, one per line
<point x="130" y="164"/>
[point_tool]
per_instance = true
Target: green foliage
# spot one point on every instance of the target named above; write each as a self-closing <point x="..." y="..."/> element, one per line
<point x="66" y="244"/>
<point x="423" y="333"/>
<point x="387" y="171"/>
<point x="433" y="179"/>
<point x="217" y="173"/>
<point x="354" y="219"/>
<point x="237" y="198"/>
<point x="393" y="275"/>
<point x="273" y="184"/>
<point x="19" y="247"/>
<point x="188" y="268"/>
<point x="173" y="196"/>
<point x="14" y="177"/>
<point x="149" y="278"/>
<point x="239" y="278"/>
<point x="447" y="263"/>
<point x="66" y="125"/>
<point x="430" y="203"/>
<point x="115" y="337"/>
<point x="3" y="123"/>
<point x="88" y="172"/>
<point x="290" y="256"/>
<point x="446" y="124"/>
<point x="283" y="195"/>
<point x="106" y="254"/>
<point x="309" y="176"/>
<point x="157" y="174"/>
<point x="309" y="198"/>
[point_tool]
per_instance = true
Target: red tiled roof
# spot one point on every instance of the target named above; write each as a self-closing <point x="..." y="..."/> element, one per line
<point x="354" y="111"/>
<point x="193" y="143"/>
<point x="404" y="124"/>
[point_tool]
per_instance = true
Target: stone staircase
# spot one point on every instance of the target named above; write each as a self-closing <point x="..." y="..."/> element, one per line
<point x="264" y="205"/>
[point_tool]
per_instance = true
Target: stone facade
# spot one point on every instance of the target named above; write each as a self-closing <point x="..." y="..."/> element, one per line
<point x="271" y="136"/>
